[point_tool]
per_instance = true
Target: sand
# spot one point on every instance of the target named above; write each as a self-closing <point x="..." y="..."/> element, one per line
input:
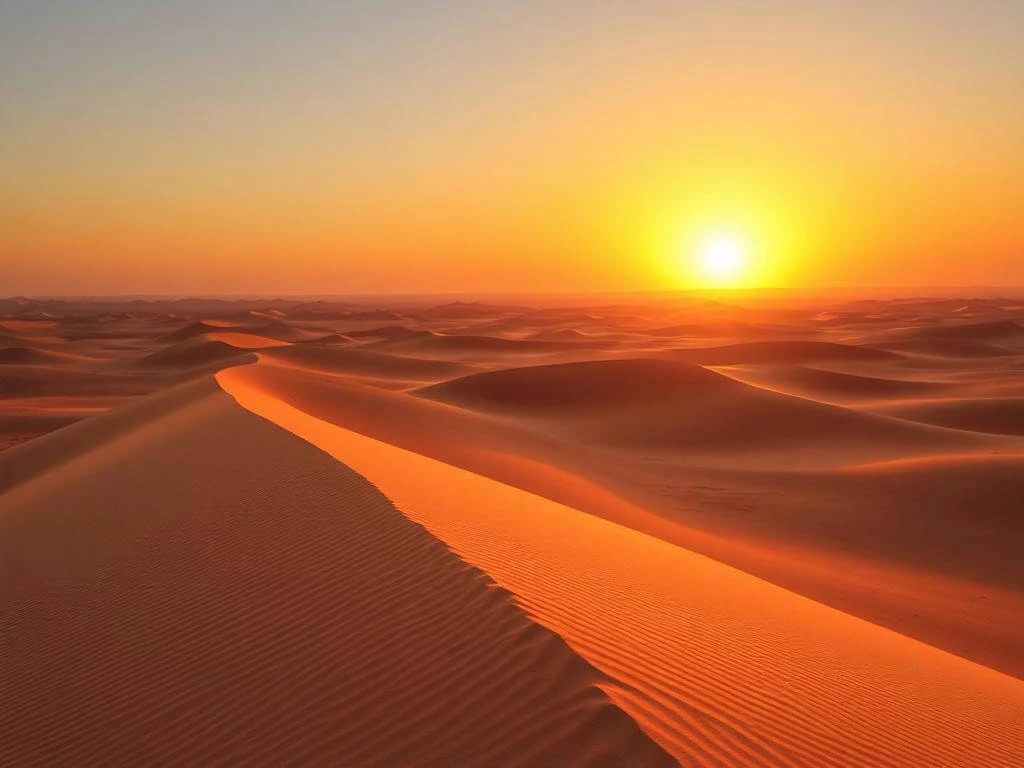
<point x="316" y="533"/>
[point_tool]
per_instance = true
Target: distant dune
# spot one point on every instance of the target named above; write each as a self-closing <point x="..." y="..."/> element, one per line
<point x="835" y="386"/>
<point x="998" y="415"/>
<point x="366" y="362"/>
<point x="723" y="329"/>
<point x="989" y="331"/>
<point x="33" y="356"/>
<point x="951" y="348"/>
<point x="783" y="352"/>
<point x="193" y="353"/>
<point x="468" y="345"/>
<point x="663" y="405"/>
<point x="198" y="328"/>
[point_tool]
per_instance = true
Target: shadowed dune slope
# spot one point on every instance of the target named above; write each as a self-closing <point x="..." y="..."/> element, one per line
<point x="366" y="362"/>
<point x="31" y="356"/>
<point x="832" y="385"/>
<point x="668" y="406"/>
<point x="783" y="352"/>
<point x="569" y="387"/>
<point x="947" y="348"/>
<point x="719" y="667"/>
<point x="268" y="328"/>
<point x="193" y="353"/>
<point x="475" y="345"/>
<point x="997" y="415"/>
<point x="246" y="599"/>
<point x="197" y="328"/>
<point x="244" y="340"/>
<point x="390" y="332"/>
<point x="998" y="330"/>
<point x="723" y="329"/>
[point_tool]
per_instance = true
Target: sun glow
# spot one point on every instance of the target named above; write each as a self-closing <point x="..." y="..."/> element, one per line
<point x="722" y="256"/>
<point x="723" y="260"/>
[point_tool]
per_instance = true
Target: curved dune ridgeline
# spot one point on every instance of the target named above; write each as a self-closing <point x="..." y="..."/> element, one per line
<point x="718" y="667"/>
<point x="292" y="616"/>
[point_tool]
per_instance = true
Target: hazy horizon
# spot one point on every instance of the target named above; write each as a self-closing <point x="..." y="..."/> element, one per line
<point x="824" y="292"/>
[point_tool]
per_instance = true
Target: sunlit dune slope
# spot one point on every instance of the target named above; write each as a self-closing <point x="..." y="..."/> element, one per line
<point x="807" y="529"/>
<point x="245" y="599"/>
<point x="718" y="667"/>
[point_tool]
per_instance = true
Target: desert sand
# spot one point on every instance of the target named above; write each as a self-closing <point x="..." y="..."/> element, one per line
<point x="404" y="532"/>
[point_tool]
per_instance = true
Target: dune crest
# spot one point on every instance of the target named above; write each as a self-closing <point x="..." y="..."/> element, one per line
<point x="293" y="617"/>
<point x="714" y="664"/>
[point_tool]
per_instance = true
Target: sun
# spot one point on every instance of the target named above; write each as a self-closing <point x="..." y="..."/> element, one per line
<point x="723" y="258"/>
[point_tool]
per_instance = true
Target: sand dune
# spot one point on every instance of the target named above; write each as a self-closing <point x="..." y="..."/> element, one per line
<point x="365" y="362"/>
<point x="745" y="515"/>
<point x="787" y="352"/>
<point x="790" y="526"/>
<point x="660" y="406"/>
<point x="998" y="330"/>
<point x="562" y="334"/>
<point x="30" y="326"/>
<point x="495" y="561"/>
<point x="653" y="618"/>
<point x="833" y="386"/>
<point x="998" y="415"/>
<point x="180" y="644"/>
<point x="198" y="328"/>
<point x="722" y="329"/>
<point x="193" y="353"/>
<point x="463" y="347"/>
<point x="260" y="325"/>
<point x="244" y="340"/>
<point x="33" y="356"/>
<point x="564" y="388"/>
<point x="390" y="332"/>
<point x="947" y="348"/>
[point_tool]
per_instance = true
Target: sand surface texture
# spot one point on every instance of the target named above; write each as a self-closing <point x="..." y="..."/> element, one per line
<point x="322" y="533"/>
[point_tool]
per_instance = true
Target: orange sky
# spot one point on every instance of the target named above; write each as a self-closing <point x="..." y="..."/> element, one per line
<point x="454" y="146"/>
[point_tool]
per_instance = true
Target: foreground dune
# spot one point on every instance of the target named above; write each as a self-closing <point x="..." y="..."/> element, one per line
<point x="245" y="598"/>
<point x="720" y="668"/>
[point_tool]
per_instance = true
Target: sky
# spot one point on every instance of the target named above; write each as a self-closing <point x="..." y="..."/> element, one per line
<point x="415" y="146"/>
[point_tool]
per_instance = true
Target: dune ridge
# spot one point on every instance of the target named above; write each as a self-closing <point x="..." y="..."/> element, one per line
<point x="293" y="618"/>
<point x="789" y="525"/>
<point x="684" y="659"/>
